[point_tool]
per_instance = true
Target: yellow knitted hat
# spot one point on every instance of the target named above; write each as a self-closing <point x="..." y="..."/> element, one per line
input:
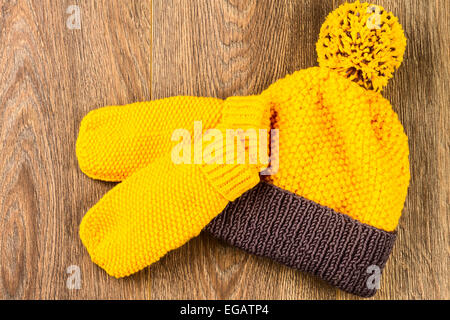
<point x="333" y="205"/>
<point x="343" y="169"/>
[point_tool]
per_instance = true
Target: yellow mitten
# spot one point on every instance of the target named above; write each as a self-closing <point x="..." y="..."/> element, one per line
<point x="116" y="141"/>
<point x="162" y="206"/>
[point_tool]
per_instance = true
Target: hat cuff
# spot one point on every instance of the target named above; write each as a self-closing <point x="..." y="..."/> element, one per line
<point x="275" y="223"/>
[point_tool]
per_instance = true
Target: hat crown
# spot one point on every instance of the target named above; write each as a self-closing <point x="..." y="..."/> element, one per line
<point x="341" y="146"/>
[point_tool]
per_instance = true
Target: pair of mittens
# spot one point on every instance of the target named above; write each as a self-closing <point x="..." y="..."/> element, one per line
<point x="170" y="197"/>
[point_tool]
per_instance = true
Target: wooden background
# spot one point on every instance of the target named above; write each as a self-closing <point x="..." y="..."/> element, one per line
<point x="127" y="51"/>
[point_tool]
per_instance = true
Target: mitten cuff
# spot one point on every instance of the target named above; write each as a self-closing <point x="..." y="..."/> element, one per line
<point x="231" y="180"/>
<point x="249" y="112"/>
<point x="231" y="172"/>
<point x="271" y="222"/>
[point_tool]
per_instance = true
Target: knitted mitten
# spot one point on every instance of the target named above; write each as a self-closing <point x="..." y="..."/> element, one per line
<point x="162" y="206"/>
<point x="116" y="141"/>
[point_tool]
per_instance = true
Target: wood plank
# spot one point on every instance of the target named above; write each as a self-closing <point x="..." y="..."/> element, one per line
<point x="50" y="77"/>
<point x="223" y="48"/>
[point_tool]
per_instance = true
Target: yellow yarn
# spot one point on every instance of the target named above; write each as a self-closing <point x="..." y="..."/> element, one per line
<point x="362" y="42"/>
<point x="163" y="205"/>
<point x="116" y="141"/>
<point x="341" y="146"/>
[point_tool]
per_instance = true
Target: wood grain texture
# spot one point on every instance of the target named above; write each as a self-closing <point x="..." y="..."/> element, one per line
<point x="127" y="51"/>
<point x="50" y="77"/>
<point x="222" y="48"/>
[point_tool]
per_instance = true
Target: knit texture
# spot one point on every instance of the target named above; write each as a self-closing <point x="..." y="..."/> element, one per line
<point x="341" y="146"/>
<point x="116" y="141"/>
<point x="163" y="205"/>
<point x="271" y="222"/>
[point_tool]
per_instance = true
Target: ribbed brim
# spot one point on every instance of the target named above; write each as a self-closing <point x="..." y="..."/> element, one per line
<point x="271" y="222"/>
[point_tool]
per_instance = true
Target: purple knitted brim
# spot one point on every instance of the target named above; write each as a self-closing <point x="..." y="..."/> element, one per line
<point x="271" y="222"/>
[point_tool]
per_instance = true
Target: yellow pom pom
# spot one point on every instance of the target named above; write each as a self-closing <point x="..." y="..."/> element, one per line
<point x="362" y="42"/>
